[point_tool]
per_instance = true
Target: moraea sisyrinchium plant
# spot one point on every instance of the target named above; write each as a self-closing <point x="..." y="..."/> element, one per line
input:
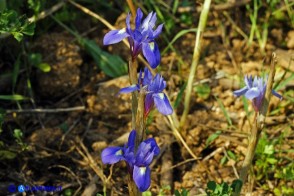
<point x="255" y="91"/>
<point x="138" y="160"/>
<point x="142" y="38"/>
<point x="153" y="87"/>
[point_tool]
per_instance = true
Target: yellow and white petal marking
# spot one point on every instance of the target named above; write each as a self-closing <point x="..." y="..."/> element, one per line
<point x="142" y="170"/>
<point x="120" y="152"/>
<point x="151" y="45"/>
<point x="121" y="31"/>
<point x="161" y="95"/>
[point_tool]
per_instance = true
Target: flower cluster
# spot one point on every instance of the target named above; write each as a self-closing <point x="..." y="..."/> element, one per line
<point x="138" y="161"/>
<point x="142" y="38"/>
<point x="153" y="88"/>
<point x="255" y="90"/>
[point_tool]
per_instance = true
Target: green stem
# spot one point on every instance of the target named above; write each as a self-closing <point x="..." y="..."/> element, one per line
<point x="253" y="18"/>
<point x="196" y="57"/>
<point x="136" y="117"/>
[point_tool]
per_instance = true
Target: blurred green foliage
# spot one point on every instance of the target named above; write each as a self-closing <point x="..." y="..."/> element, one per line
<point x="36" y="5"/>
<point x="111" y="65"/>
<point x="269" y="159"/>
<point x="35" y="59"/>
<point x="223" y="189"/>
<point x="182" y="192"/>
<point x="203" y="91"/>
<point x="16" y="25"/>
<point x="264" y="15"/>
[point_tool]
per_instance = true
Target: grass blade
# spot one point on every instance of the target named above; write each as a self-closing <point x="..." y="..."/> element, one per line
<point x="224" y="111"/>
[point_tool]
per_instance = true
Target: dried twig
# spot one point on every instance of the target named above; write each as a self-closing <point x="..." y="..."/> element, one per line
<point x="41" y="110"/>
<point x="195" y="60"/>
<point x="68" y="131"/>
<point x="178" y="165"/>
<point x="218" y="8"/>
<point x="180" y="138"/>
<point x="132" y="7"/>
<point x="90" y="161"/>
<point x="71" y="173"/>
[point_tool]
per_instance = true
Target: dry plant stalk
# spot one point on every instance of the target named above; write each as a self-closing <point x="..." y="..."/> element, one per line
<point x="133" y="65"/>
<point x="195" y="60"/>
<point x="259" y="119"/>
<point x="140" y="118"/>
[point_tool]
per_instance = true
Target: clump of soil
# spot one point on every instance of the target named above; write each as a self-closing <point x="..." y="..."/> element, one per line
<point x="59" y="51"/>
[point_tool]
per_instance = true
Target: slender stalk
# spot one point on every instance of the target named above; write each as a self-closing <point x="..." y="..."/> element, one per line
<point x="196" y="57"/>
<point x="132" y="7"/>
<point x="133" y="190"/>
<point x="258" y="124"/>
<point x="253" y="17"/>
<point x="253" y="140"/>
<point x="140" y="118"/>
<point x="179" y="137"/>
<point x="133" y="65"/>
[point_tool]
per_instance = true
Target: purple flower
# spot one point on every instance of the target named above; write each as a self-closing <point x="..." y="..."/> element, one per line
<point x="255" y="91"/>
<point x="142" y="38"/>
<point x="138" y="161"/>
<point x="154" y="95"/>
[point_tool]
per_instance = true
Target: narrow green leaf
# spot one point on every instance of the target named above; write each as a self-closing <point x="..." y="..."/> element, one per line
<point x="212" y="137"/>
<point x="15" y="97"/>
<point x="224" y="111"/>
<point x="285" y="82"/>
<point x="232" y="155"/>
<point x="178" y="35"/>
<point x="180" y="96"/>
<point x="175" y="6"/>
<point x="289" y="95"/>
<point x="111" y="65"/>
<point x="5" y="154"/>
<point x="223" y="160"/>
